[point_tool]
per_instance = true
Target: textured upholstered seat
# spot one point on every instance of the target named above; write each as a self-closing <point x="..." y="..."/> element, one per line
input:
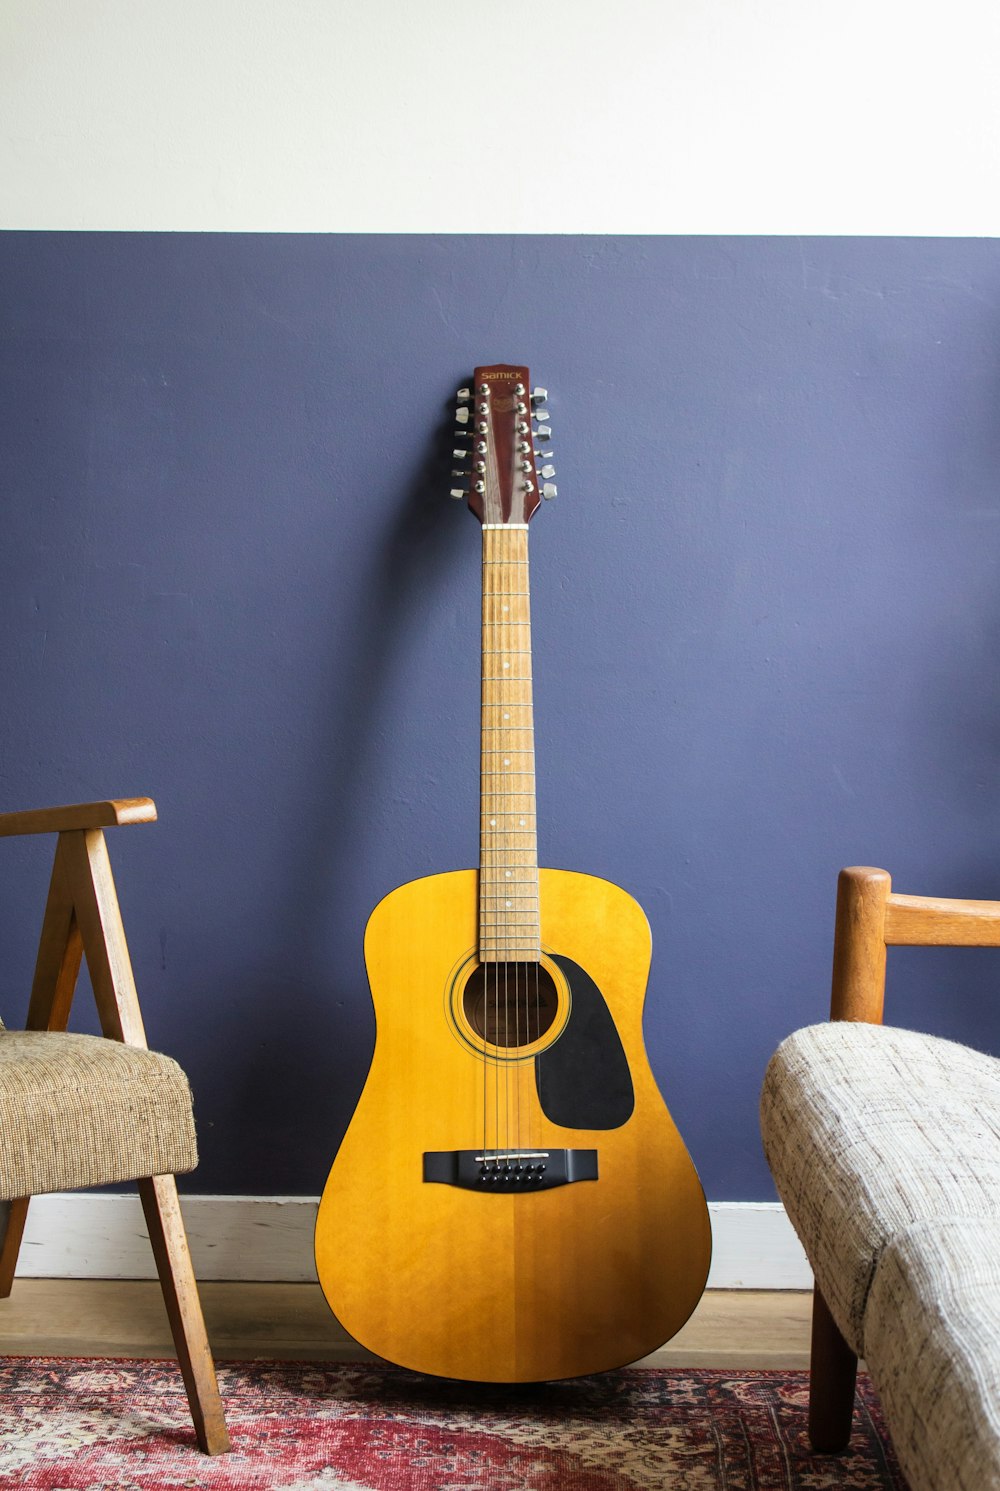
<point x="867" y="1129"/>
<point x="79" y="1110"/>
<point x="932" y="1324"/>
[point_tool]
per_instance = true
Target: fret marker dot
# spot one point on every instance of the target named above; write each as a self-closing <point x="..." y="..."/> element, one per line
<point x="506" y="665"/>
<point x="507" y="873"/>
<point x="506" y="716"/>
<point x="522" y="822"/>
<point x="505" y="608"/>
<point x="506" y="762"/>
<point x="493" y="823"/>
<point x="508" y="903"/>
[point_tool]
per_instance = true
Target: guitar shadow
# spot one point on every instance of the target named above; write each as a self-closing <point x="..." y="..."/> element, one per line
<point x="314" y="1023"/>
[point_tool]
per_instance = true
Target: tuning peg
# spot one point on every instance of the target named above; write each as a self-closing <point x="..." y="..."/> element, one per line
<point x="539" y="395"/>
<point x="543" y="455"/>
<point x="544" y="432"/>
<point x="458" y="493"/>
<point x="460" y="455"/>
<point x="548" y="470"/>
<point x="464" y="395"/>
<point x="549" y="489"/>
<point x="462" y="415"/>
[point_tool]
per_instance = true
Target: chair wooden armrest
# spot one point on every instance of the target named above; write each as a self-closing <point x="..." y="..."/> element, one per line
<point x="930" y="921"/>
<point x="871" y="917"/>
<point x="79" y="815"/>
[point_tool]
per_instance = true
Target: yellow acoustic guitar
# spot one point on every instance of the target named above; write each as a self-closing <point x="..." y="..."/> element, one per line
<point x="512" y="1201"/>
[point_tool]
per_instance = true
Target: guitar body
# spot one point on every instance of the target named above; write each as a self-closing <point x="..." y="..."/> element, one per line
<point x="501" y="1279"/>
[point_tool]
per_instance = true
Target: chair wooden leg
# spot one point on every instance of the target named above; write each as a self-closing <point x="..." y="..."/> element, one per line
<point x="834" y="1370"/>
<point x="180" y="1293"/>
<point x="13" y="1215"/>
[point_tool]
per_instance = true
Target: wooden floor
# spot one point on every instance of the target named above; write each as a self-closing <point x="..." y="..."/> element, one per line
<point x="98" y="1317"/>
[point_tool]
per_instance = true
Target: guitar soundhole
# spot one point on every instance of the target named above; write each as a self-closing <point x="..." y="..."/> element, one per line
<point x="510" y="1004"/>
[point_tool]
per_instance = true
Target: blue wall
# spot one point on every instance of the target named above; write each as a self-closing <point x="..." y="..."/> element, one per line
<point x="765" y="607"/>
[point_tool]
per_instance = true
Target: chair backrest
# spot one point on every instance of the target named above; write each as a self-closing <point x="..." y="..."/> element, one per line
<point x="871" y="917"/>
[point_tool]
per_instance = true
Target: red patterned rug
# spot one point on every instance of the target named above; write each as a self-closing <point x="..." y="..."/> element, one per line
<point x="124" y="1426"/>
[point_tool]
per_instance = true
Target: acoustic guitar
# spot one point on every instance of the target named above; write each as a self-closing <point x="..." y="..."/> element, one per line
<point x="512" y="1201"/>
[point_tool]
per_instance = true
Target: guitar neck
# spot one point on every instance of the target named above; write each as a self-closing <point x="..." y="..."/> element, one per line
<point x="508" y="856"/>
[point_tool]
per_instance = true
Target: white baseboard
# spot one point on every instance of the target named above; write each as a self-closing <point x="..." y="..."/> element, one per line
<point x="83" y="1235"/>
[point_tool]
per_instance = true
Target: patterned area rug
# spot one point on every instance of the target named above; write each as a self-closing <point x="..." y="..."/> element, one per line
<point x="123" y="1426"/>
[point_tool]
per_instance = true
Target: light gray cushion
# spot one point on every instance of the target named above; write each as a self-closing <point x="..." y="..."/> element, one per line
<point x="78" y="1110"/>
<point x="932" y="1331"/>
<point x="867" y="1129"/>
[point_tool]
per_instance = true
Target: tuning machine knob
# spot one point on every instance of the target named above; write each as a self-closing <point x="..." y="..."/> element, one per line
<point x="544" y="432"/>
<point x="464" y="395"/>
<point x="539" y="395"/>
<point x="462" y="416"/>
<point x="460" y="455"/>
<point x="548" y="470"/>
<point x="549" y="489"/>
<point x="458" y="493"/>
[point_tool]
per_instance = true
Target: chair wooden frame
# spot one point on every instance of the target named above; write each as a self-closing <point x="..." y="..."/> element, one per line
<point x="83" y="919"/>
<point x="870" y="919"/>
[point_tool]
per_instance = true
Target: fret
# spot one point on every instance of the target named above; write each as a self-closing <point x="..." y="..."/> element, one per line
<point x="494" y="952"/>
<point x="494" y="934"/>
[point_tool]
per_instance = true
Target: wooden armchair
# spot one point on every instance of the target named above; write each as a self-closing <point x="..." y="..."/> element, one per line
<point x="870" y="918"/>
<point x="77" y="1110"/>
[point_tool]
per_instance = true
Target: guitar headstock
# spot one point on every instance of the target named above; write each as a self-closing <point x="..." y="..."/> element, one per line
<point x="505" y="428"/>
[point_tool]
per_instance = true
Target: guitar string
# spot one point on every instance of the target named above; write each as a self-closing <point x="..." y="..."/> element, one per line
<point x="520" y="933"/>
<point x="485" y="808"/>
<point x="503" y="545"/>
<point x="490" y="541"/>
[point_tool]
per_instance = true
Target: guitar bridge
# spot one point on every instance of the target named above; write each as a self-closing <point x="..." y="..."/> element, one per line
<point x="507" y="1170"/>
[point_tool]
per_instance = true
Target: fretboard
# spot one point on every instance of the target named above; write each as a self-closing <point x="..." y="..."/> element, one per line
<point x="508" y="853"/>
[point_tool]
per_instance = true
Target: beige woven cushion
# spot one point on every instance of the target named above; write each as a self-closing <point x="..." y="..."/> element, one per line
<point x="869" y="1128"/>
<point x="78" y="1110"/>
<point x="933" y="1338"/>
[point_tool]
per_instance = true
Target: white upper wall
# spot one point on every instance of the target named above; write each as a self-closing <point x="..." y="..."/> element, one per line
<point x="527" y="116"/>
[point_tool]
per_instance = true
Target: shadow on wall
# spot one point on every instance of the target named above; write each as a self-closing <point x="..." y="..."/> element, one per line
<point x="315" y="1035"/>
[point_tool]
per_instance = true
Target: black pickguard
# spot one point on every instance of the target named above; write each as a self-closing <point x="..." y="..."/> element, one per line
<point x="583" y="1079"/>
